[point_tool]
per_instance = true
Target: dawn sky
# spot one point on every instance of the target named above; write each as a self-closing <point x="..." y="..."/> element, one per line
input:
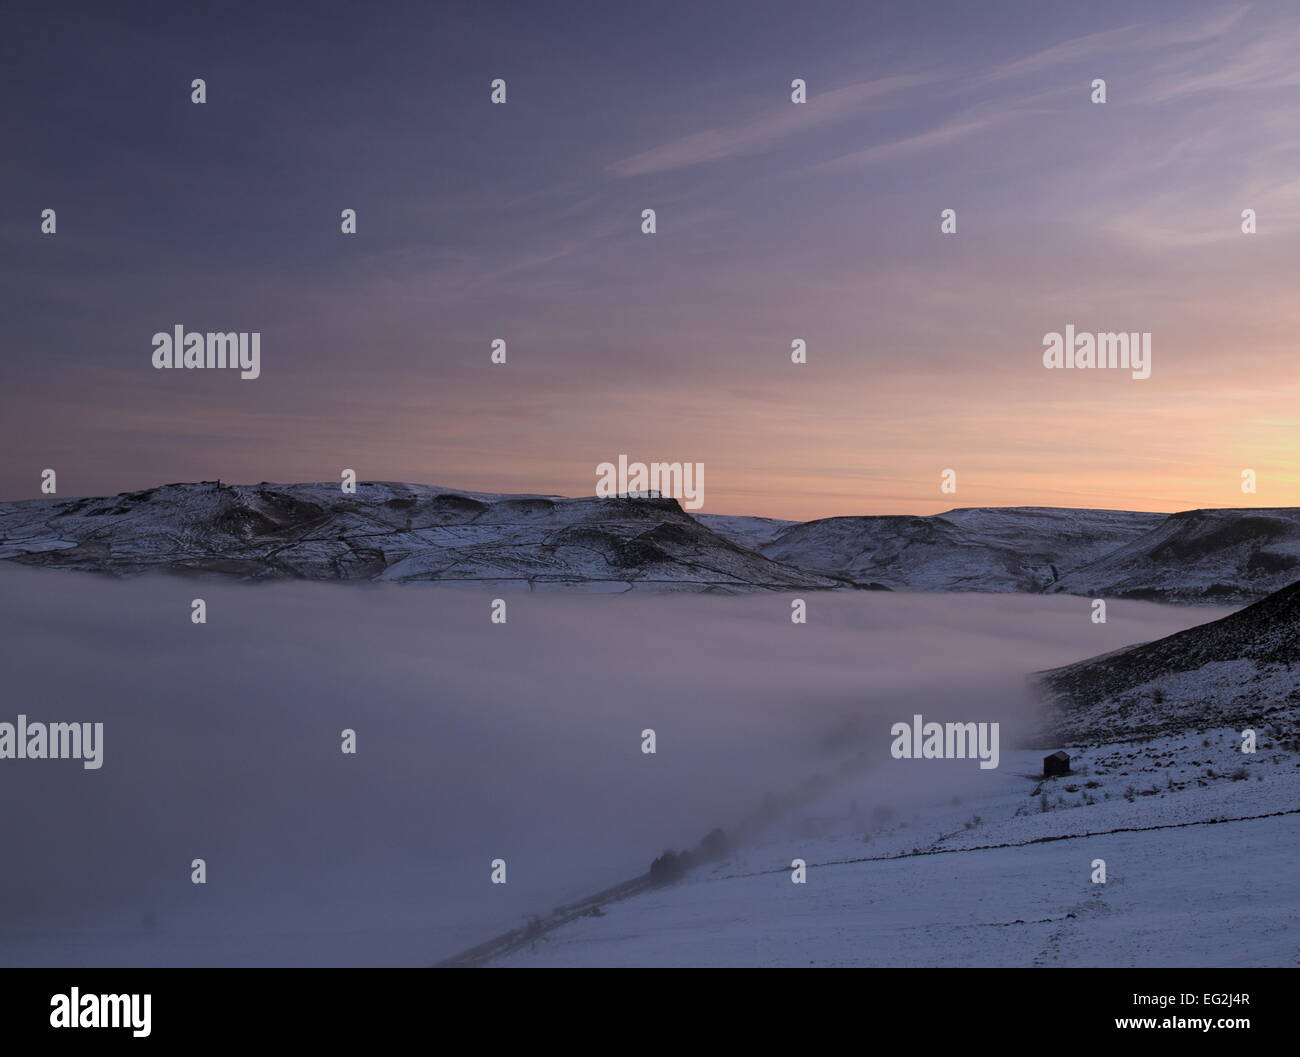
<point x="775" y="221"/>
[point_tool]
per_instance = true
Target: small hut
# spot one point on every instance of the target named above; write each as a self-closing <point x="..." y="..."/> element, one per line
<point x="1056" y="764"/>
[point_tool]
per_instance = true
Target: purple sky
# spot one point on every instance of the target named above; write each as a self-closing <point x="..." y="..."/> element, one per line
<point x="775" y="222"/>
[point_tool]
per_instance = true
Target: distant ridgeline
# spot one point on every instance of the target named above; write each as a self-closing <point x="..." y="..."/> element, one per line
<point x="406" y="533"/>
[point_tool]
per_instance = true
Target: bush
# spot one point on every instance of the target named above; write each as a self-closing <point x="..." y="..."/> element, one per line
<point x="667" y="868"/>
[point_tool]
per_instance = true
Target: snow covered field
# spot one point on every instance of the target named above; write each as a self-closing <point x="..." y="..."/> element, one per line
<point x="998" y="875"/>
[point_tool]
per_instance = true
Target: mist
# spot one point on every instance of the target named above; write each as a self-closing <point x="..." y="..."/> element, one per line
<point x="475" y="741"/>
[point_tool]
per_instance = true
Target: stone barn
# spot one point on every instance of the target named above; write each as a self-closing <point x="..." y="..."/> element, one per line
<point x="1056" y="764"/>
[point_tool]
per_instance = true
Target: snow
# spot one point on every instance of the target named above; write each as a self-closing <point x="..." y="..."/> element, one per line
<point x="16" y="547"/>
<point x="523" y="740"/>
<point x="1224" y="556"/>
<point x="752" y="533"/>
<point x="389" y="531"/>
<point x="973" y="549"/>
<point x="407" y="533"/>
<point x="1011" y="889"/>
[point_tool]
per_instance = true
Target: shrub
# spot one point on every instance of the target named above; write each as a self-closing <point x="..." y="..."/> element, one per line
<point x="668" y="867"/>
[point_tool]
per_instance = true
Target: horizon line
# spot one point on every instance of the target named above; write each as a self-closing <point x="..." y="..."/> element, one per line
<point x="555" y="495"/>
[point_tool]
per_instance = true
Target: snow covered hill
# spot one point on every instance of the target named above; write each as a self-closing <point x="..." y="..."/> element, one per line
<point x="1242" y="670"/>
<point x="1198" y="841"/>
<point x="389" y="532"/>
<point x="1222" y="556"/>
<point x="998" y="868"/>
<point x="409" y="532"/>
<point x="748" y="532"/>
<point x="970" y="549"/>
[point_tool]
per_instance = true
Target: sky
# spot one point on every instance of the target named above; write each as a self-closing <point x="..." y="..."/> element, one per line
<point x="776" y="221"/>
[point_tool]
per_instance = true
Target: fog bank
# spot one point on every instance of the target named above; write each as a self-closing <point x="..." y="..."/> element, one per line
<point x="475" y="741"/>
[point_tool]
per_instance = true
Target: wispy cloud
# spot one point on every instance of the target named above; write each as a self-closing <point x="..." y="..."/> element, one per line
<point x="1111" y="41"/>
<point x="1268" y="62"/>
<point x="961" y="127"/>
<point x="762" y="133"/>
<point x="1179" y="68"/>
<point x="1067" y="51"/>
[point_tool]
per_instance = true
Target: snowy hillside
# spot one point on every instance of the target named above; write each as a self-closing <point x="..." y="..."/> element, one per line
<point x="752" y="533"/>
<point x="1243" y="670"/>
<point x="997" y="868"/>
<point x="1220" y="556"/>
<point x="972" y="549"/>
<point x="389" y="532"/>
<point x="1198" y="841"/>
<point x="407" y="532"/>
